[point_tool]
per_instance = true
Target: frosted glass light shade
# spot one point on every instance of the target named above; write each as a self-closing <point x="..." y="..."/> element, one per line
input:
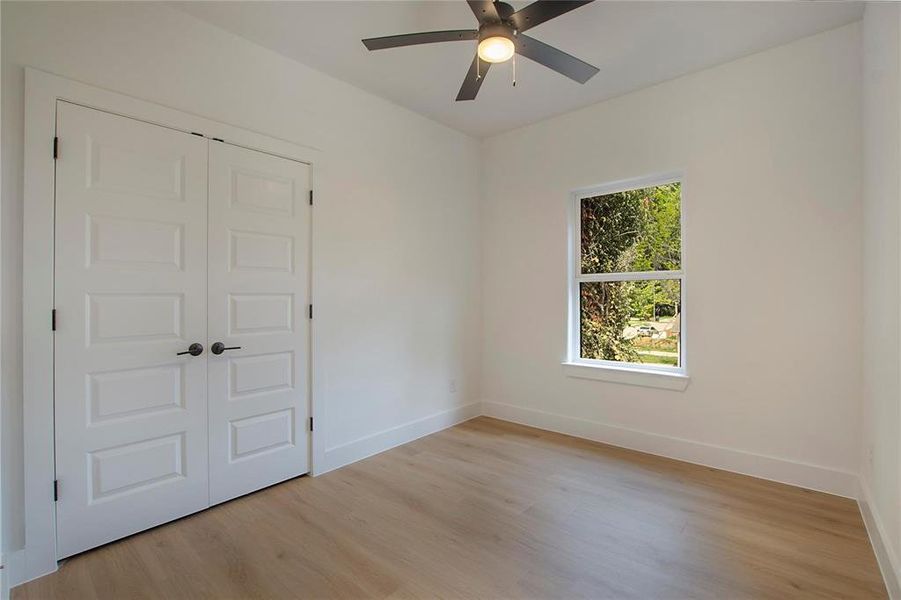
<point x="496" y="49"/>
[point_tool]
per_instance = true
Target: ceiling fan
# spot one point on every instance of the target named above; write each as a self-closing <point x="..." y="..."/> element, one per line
<point x="500" y="35"/>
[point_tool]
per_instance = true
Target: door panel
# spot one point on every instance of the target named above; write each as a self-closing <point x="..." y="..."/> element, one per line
<point x="258" y="294"/>
<point x="130" y="293"/>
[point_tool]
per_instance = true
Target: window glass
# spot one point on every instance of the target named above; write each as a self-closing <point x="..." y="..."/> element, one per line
<point x="634" y="230"/>
<point x="631" y="321"/>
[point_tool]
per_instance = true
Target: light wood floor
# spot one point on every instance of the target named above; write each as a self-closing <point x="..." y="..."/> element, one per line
<point x="494" y="510"/>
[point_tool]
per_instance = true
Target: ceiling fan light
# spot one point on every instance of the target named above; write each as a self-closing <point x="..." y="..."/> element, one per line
<point x="496" y="49"/>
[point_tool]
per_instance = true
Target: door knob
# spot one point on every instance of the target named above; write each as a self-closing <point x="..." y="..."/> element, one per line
<point x="219" y="348"/>
<point x="194" y="349"/>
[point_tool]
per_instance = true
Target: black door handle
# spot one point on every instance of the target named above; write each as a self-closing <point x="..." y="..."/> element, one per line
<point x="194" y="349"/>
<point x="219" y="348"/>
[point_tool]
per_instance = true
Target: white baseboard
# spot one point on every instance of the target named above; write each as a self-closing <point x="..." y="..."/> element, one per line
<point x="365" y="447"/>
<point x="804" y="475"/>
<point x="885" y="556"/>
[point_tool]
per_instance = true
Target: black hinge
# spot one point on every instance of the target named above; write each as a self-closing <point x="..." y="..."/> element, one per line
<point x="56" y="490"/>
<point x="311" y="423"/>
<point x="311" y="197"/>
<point x="53" y="320"/>
<point x="55" y="148"/>
<point x="217" y="139"/>
<point x="311" y="311"/>
<point x="197" y="134"/>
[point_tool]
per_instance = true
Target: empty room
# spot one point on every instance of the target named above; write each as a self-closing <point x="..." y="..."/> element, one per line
<point x="475" y="299"/>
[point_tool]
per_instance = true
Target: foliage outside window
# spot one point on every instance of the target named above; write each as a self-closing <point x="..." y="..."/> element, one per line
<point x="628" y="276"/>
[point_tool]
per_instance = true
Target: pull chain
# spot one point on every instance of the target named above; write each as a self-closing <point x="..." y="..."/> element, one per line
<point x="478" y="62"/>
<point x="515" y="34"/>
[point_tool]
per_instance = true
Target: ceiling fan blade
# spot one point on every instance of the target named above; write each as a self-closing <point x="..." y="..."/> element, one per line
<point x="472" y="83"/>
<point x="484" y="10"/>
<point x="426" y="37"/>
<point x="555" y="59"/>
<point x="543" y="10"/>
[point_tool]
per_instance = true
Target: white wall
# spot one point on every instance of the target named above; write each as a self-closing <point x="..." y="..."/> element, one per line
<point x="396" y="249"/>
<point x="880" y="466"/>
<point x="770" y="145"/>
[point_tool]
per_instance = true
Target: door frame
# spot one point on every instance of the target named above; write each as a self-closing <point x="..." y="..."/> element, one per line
<point x="42" y="92"/>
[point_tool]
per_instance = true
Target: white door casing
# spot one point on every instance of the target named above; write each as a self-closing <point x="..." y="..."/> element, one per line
<point x="130" y="293"/>
<point x="259" y="290"/>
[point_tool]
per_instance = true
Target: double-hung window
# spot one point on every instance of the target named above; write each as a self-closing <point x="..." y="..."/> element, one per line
<point x="626" y="276"/>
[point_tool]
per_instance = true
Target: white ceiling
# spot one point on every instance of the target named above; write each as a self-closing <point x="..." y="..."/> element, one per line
<point x="635" y="44"/>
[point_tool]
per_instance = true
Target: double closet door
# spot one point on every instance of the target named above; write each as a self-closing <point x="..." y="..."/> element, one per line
<point x="181" y="347"/>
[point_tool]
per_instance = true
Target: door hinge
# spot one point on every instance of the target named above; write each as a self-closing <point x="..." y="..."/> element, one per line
<point x="311" y="311"/>
<point x="311" y="423"/>
<point x="311" y="197"/>
<point x="215" y="139"/>
<point x="53" y="320"/>
<point x="55" y="148"/>
<point x="56" y="490"/>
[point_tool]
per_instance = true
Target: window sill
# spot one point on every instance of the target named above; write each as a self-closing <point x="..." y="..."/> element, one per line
<point x="628" y="375"/>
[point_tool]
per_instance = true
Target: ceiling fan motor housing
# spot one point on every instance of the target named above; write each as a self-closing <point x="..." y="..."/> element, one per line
<point x="490" y="30"/>
<point x="503" y="28"/>
<point x="504" y="10"/>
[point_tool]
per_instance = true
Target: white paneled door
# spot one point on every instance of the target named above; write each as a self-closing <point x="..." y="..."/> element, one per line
<point x="164" y="240"/>
<point x="258" y="290"/>
<point x="130" y="295"/>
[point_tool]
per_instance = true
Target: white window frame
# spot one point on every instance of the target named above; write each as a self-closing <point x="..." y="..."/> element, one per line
<point x="660" y="376"/>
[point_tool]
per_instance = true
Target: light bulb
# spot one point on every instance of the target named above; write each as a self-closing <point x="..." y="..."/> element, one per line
<point x="496" y="49"/>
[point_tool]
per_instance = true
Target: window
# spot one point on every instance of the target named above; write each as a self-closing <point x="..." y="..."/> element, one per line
<point x="627" y="278"/>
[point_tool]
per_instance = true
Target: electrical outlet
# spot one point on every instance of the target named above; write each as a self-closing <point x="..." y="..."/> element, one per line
<point x="452" y="386"/>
